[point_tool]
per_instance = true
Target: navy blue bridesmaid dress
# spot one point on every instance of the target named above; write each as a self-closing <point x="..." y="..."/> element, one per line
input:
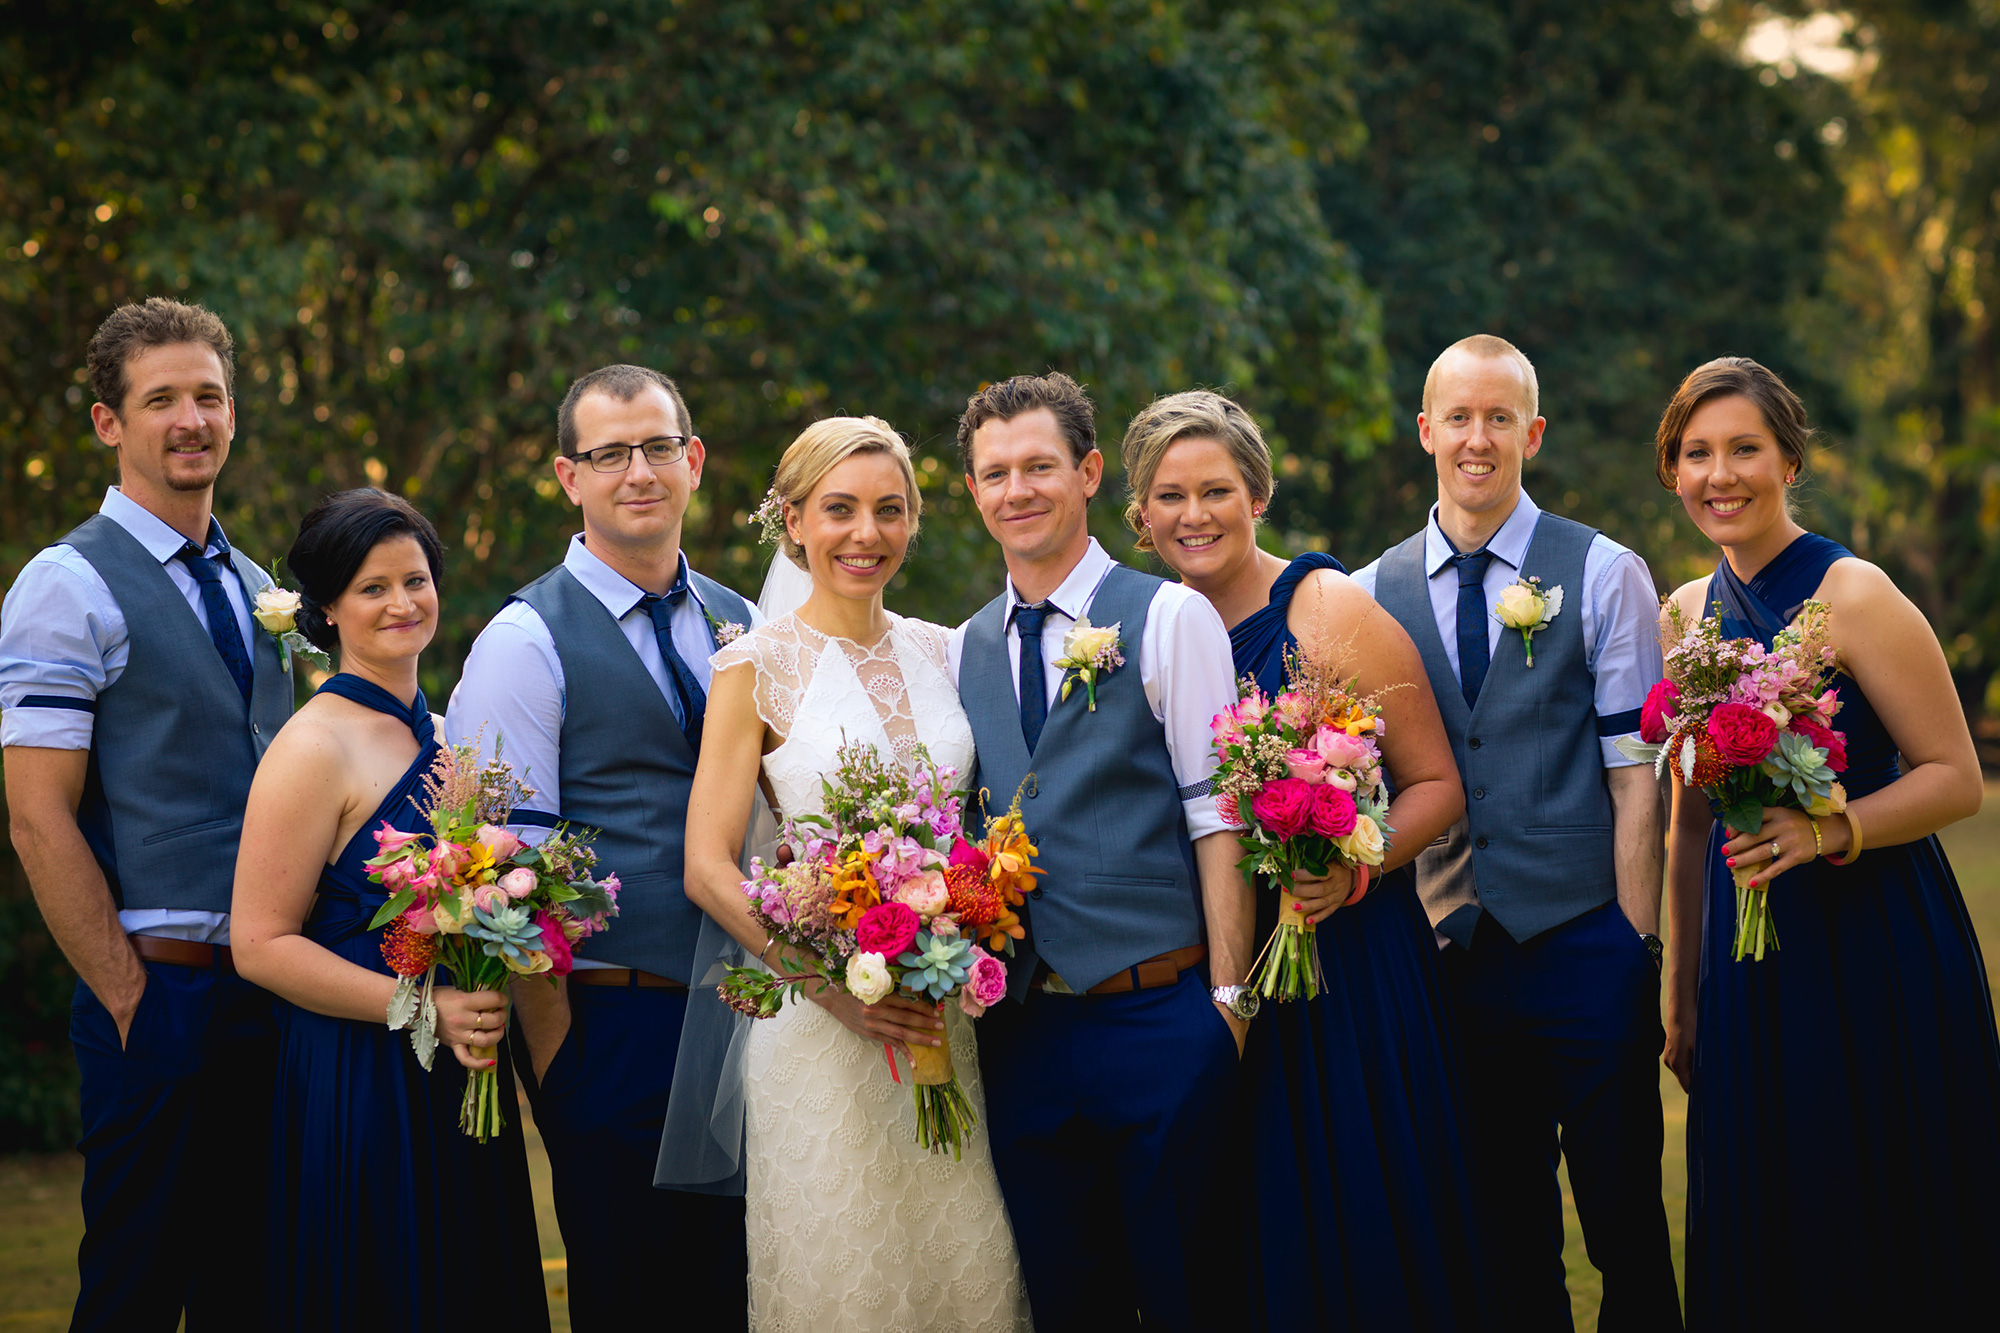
<point x="384" y="1216"/>
<point x="1364" y="1213"/>
<point x="1844" y="1123"/>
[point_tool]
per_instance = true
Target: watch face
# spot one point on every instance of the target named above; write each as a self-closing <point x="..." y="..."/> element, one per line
<point x="1247" y="1003"/>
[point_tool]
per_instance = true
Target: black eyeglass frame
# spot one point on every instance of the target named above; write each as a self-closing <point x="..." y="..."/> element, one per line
<point x="675" y="445"/>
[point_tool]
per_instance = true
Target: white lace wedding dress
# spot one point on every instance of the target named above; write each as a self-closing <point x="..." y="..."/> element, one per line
<point x="851" y="1224"/>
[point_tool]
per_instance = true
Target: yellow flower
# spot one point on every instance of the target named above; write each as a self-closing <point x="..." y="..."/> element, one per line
<point x="277" y="609"/>
<point x="1520" y="607"/>
<point x="538" y="962"/>
<point x="1364" y="845"/>
<point x="1833" y="803"/>
<point x="1086" y="641"/>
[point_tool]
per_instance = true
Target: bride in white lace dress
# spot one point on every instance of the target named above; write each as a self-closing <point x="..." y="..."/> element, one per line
<point x="851" y="1225"/>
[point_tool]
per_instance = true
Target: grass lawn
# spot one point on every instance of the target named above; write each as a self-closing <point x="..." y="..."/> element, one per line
<point x="40" y="1221"/>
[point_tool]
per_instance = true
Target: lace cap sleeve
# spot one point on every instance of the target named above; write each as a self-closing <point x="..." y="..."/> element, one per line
<point x="773" y="651"/>
<point x="932" y="642"/>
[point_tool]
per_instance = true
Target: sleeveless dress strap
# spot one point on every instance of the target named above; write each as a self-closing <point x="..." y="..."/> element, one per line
<point x="370" y="695"/>
<point x="1261" y="637"/>
<point x="1762" y="606"/>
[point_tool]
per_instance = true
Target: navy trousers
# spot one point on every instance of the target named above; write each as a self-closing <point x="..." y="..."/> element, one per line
<point x="176" y="1148"/>
<point x="1562" y="1039"/>
<point x="1107" y="1116"/>
<point x="600" y="1108"/>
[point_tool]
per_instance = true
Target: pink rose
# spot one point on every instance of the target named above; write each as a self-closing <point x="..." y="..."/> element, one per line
<point x="518" y="882"/>
<point x="487" y="897"/>
<point x="1283" y="806"/>
<point x="1833" y="742"/>
<point x="927" y="893"/>
<point x="1339" y="749"/>
<point x="1332" y="812"/>
<point x="1306" y="765"/>
<point x="390" y="840"/>
<point x="1657" y="711"/>
<point x="1742" y="734"/>
<point x="555" y="943"/>
<point x="887" y="929"/>
<point x="986" y="979"/>
<point x="419" y="918"/>
<point x="498" y="841"/>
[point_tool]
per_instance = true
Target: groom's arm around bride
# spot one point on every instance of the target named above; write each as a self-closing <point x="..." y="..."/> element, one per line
<point x="1109" y="1072"/>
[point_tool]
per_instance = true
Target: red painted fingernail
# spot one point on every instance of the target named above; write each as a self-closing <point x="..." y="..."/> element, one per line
<point x="1731" y="861"/>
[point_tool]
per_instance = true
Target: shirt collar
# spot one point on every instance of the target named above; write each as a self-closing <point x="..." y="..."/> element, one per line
<point x="151" y="531"/>
<point x="1072" y="597"/>
<point x="1509" y="545"/>
<point x="618" y="593"/>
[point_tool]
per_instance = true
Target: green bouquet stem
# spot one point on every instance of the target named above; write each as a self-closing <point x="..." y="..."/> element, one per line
<point x="944" y="1116"/>
<point x="1288" y="968"/>
<point x="1754" y="933"/>
<point x="479" y="1114"/>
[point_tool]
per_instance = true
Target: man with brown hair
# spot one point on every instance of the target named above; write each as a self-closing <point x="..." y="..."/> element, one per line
<point x="139" y="695"/>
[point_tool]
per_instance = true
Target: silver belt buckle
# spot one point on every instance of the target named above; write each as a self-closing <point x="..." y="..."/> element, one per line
<point x="1055" y="985"/>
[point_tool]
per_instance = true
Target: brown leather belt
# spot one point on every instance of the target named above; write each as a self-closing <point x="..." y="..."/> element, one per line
<point x="184" y="953"/>
<point x="1164" y="970"/>
<point x="622" y="976"/>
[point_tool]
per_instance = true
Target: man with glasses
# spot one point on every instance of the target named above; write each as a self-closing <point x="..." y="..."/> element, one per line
<point x="592" y="682"/>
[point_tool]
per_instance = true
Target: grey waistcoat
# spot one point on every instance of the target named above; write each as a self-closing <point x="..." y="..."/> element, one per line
<point x="1104" y="809"/>
<point x="173" y="749"/>
<point x="625" y="771"/>
<point x="1535" y="844"/>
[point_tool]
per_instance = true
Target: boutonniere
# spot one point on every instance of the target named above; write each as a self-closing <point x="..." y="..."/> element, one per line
<point x="726" y="632"/>
<point x="1527" y="606"/>
<point x="1089" y="651"/>
<point x="277" y="610"/>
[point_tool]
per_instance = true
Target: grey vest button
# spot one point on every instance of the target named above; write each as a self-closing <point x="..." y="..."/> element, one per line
<point x="1034" y="893"/>
<point x="1474" y="742"/>
<point x="1479" y="843"/>
<point x="1479" y="793"/>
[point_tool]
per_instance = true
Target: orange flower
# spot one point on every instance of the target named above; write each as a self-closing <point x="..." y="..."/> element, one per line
<point x="1002" y="928"/>
<point x="975" y="899"/>
<point x="854" y="890"/>
<point x="407" y="953"/>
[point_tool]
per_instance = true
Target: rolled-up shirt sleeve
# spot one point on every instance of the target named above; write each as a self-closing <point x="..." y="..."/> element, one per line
<point x="1625" y="656"/>
<point x="510" y="698"/>
<point x="62" y="643"/>
<point x="1190" y="676"/>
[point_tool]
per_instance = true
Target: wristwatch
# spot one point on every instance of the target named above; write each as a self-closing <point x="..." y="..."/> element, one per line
<point x="1239" y="1000"/>
<point x="1655" y="948"/>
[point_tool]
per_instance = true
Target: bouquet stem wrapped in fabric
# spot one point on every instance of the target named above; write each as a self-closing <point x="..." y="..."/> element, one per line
<point x="885" y="895"/>
<point x="1751" y="728"/>
<point x="470" y="897"/>
<point x="1301" y="777"/>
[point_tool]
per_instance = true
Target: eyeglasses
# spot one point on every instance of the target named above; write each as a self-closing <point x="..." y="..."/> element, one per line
<point x="662" y="452"/>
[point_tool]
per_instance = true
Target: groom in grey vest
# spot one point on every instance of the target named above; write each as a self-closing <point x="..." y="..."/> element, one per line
<point x="1546" y="896"/>
<point x="139" y="695"/>
<point x="593" y="681"/>
<point x="1110" y="1070"/>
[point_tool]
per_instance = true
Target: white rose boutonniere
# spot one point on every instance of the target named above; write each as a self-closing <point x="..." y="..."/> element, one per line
<point x="1528" y="607"/>
<point x="1089" y="651"/>
<point x="277" y="610"/>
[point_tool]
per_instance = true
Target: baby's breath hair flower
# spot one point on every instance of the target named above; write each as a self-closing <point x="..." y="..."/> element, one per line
<point x="770" y="518"/>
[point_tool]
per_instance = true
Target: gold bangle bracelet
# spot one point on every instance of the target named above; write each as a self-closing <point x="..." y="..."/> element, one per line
<point x="1846" y="858"/>
<point x="1819" y="843"/>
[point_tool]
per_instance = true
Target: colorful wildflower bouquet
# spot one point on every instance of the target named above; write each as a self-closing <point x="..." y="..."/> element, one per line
<point x="1301" y="777"/>
<point x="470" y="897"/>
<point x="1751" y="728"/>
<point x="885" y="895"/>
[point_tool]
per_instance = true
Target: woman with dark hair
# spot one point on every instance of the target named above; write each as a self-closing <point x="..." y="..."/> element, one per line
<point x="1363" y="1214"/>
<point x="384" y="1215"/>
<point x="1844" y="1091"/>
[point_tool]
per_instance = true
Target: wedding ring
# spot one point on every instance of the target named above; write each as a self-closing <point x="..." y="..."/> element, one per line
<point x="1775" y="853"/>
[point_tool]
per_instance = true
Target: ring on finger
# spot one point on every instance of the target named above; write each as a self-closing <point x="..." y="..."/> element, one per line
<point x="1775" y="851"/>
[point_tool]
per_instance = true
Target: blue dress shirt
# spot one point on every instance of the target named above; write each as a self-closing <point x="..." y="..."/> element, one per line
<point x="63" y="641"/>
<point x="1617" y="602"/>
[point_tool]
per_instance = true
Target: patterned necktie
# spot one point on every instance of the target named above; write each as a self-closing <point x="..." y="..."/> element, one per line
<point x="1028" y="622"/>
<point x="688" y="693"/>
<point x="1473" y="655"/>
<point x="222" y="626"/>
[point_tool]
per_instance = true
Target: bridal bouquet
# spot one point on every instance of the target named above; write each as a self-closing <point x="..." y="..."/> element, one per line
<point x="884" y="895"/>
<point x="470" y="897"/>
<point x="1301" y="777"/>
<point x="1751" y="728"/>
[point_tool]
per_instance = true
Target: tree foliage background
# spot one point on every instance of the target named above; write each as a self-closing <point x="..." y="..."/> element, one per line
<point x="422" y="222"/>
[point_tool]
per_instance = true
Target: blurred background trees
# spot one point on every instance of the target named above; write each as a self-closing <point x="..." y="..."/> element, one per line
<point x="422" y="222"/>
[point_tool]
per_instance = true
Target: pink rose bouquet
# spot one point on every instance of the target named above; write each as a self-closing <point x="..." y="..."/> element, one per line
<point x="469" y="896"/>
<point x="1748" y="726"/>
<point x="1301" y="776"/>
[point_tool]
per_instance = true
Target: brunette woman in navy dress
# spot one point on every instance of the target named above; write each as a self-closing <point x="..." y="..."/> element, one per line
<point x="383" y="1214"/>
<point x="1844" y="1092"/>
<point x="1363" y="1211"/>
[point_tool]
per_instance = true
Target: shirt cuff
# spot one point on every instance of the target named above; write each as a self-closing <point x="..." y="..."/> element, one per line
<point x="1201" y="815"/>
<point x="49" y="722"/>
<point x="1613" y="758"/>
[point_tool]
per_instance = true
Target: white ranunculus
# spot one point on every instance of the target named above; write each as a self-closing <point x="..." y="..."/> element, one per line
<point x="1519" y="607"/>
<point x="1778" y="713"/>
<point x="277" y="609"/>
<point x="868" y="978"/>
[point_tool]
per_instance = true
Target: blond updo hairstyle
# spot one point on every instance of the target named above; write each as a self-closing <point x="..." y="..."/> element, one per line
<point x="823" y="446"/>
<point x="1195" y="414"/>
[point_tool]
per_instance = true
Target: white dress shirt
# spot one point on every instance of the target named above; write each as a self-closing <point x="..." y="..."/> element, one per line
<point x="1619" y="609"/>
<point x="63" y="637"/>
<point x="513" y="686"/>
<point x="1184" y="664"/>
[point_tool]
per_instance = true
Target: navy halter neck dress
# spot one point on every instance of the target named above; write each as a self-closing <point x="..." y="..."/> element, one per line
<point x="383" y="1215"/>
<point x="1364" y="1214"/>
<point x="1844" y="1123"/>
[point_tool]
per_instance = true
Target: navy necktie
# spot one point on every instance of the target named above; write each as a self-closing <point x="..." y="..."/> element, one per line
<point x="222" y="626"/>
<point x="1473" y="655"/>
<point x="687" y="690"/>
<point x="1028" y="621"/>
